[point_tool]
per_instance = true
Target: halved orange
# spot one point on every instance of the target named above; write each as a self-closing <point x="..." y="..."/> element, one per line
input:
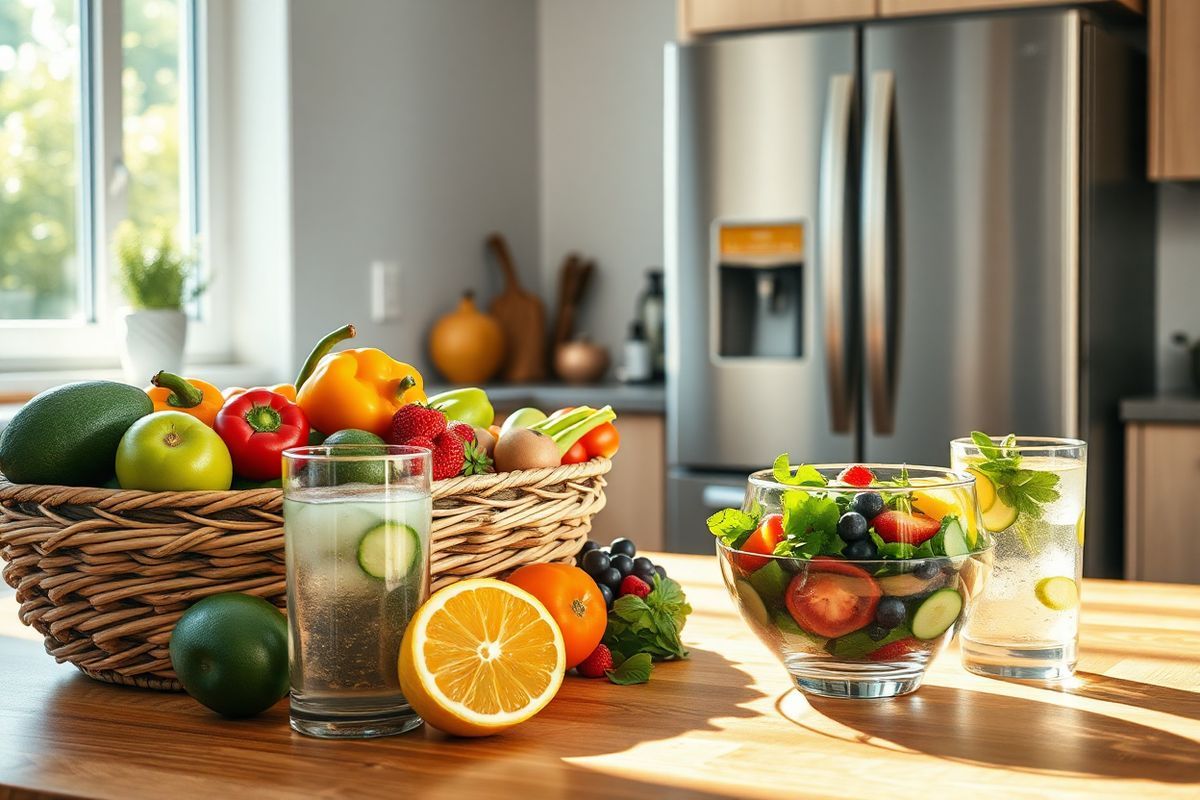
<point x="481" y="656"/>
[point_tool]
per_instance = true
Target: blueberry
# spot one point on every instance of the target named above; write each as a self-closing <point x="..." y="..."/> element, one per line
<point x="927" y="570"/>
<point x="624" y="546"/>
<point x="861" y="550"/>
<point x="869" y="504"/>
<point x="852" y="527"/>
<point x="623" y="563"/>
<point x="610" y="577"/>
<point x="607" y="594"/>
<point x="595" y="562"/>
<point x="589" y="545"/>
<point x="890" y="612"/>
<point x="645" y="574"/>
<point x="877" y="631"/>
<point x="643" y="564"/>
<point x="661" y="570"/>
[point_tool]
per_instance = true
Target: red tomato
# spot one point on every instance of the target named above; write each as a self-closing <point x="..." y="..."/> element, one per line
<point x="602" y="441"/>
<point x="833" y="597"/>
<point x="768" y="534"/>
<point x="576" y="455"/>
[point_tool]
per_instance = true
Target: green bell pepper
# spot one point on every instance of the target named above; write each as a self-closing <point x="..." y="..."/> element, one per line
<point x="470" y="405"/>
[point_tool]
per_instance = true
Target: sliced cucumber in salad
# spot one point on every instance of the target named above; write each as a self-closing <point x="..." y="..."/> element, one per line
<point x="937" y="613"/>
<point x="953" y="539"/>
<point x="390" y="548"/>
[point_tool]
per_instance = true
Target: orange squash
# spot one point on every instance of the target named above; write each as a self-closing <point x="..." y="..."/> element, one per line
<point x="467" y="345"/>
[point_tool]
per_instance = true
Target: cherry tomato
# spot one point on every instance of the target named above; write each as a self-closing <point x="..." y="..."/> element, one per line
<point x="573" y="599"/>
<point x="768" y="534"/>
<point x="833" y="597"/>
<point x="576" y="455"/>
<point x="602" y="441"/>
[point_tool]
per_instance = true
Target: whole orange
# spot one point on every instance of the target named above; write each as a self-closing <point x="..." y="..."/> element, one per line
<point x="573" y="599"/>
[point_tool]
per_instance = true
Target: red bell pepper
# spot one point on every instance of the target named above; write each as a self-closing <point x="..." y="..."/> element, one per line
<point x="257" y="426"/>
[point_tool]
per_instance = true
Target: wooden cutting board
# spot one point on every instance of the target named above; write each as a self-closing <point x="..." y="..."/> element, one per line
<point x="523" y="319"/>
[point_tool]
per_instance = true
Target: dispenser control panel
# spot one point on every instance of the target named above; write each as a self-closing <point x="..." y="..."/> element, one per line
<point x="759" y="290"/>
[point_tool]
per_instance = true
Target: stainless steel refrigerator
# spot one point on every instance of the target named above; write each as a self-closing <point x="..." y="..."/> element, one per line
<point x="881" y="237"/>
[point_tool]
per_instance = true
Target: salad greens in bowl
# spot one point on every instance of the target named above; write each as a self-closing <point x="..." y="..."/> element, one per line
<point x="855" y="575"/>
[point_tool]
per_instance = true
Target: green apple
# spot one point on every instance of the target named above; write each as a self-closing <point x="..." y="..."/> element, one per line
<point x="169" y="451"/>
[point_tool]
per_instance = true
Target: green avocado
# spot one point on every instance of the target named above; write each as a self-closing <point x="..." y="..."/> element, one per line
<point x="68" y="435"/>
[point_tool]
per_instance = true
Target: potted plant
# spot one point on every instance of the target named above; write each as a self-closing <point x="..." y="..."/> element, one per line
<point x="154" y="276"/>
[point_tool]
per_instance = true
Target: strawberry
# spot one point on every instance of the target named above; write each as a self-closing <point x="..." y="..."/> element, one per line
<point x="416" y="421"/>
<point x="898" y="526"/>
<point x="448" y="456"/>
<point x="462" y="430"/>
<point x="895" y="650"/>
<point x="597" y="664"/>
<point x="635" y="586"/>
<point x="857" y="475"/>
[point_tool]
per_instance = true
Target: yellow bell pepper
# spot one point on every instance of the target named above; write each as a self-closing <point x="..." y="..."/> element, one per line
<point x="288" y="390"/>
<point x="359" y="388"/>
<point x="201" y="399"/>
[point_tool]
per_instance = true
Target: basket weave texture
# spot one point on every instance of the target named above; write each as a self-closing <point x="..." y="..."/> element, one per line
<point x="104" y="574"/>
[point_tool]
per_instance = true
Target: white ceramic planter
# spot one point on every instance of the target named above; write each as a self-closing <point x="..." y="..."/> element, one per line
<point x="154" y="341"/>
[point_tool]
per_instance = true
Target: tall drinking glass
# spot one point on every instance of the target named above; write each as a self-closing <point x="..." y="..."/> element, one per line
<point x="356" y="522"/>
<point x="1031" y="494"/>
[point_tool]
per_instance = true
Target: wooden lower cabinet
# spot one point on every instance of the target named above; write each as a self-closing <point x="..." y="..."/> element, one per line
<point x="1162" y="529"/>
<point x="636" y="492"/>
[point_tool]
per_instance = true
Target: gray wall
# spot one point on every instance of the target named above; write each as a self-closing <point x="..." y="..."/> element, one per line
<point x="600" y="123"/>
<point x="414" y="134"/>
<point x="1178" y="279"/>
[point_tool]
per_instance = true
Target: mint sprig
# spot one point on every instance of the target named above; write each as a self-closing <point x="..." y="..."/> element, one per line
<point x="1026" y="490"/>
<point x="635" y="669"/>
<point x="652" y="626"/>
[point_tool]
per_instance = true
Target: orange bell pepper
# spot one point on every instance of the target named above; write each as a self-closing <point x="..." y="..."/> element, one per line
<point x="201" y="399"/>
<point x="361" y="388"/>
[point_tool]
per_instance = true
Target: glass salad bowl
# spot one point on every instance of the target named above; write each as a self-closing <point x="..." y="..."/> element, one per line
<point x="856" y="576"/>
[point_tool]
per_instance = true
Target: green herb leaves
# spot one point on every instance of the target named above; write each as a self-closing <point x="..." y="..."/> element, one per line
<point x="805" y="474"/>
<point x="651" y="626"/>
<point x="1026" y="490"/>
<point x="809" y="525"/>
<point x="635" y="669"/>
<point x="731" y="526"/>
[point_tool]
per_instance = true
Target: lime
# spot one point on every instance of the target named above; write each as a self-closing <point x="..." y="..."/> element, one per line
<point x="1057" y="593"/>
<point x="1079" y="527"/>
<point x="358" y="471"/>
<point x="230" y="652"/>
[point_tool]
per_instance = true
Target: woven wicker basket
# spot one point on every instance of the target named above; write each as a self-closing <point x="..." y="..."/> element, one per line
<point x="104" y="574"/>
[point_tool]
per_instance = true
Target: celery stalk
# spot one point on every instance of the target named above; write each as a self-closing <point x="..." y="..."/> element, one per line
<point x="567" y="437"/>
<point x="556" y="423"/>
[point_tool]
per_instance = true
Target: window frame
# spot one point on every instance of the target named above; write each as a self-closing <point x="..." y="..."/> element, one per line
<point x="94" y="342"/>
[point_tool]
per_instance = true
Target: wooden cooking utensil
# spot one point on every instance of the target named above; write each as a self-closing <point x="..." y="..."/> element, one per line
<point x="563" y="317"/>
<point x="523" y="319"/>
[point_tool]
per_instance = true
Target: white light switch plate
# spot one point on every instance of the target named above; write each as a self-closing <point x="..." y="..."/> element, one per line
<point x="385" y="291"/>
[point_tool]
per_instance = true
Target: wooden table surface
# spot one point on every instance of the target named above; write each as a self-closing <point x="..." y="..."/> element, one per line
<point x="724" y="724"/>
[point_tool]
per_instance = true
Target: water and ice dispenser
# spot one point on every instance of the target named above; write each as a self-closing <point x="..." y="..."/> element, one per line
<point x="759" y="302"/>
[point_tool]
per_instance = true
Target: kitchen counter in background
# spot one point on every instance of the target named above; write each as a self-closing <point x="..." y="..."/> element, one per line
<point x="1161" y="408"/>
<point x="625" y="398"/>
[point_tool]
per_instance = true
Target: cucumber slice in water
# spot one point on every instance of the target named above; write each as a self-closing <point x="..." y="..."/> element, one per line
<point x="999" y="516"/>
<point x="390" y="548"/>
<point x="937" y="613"/>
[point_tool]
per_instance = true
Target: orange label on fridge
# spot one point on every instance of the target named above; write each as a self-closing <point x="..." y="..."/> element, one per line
<point x="762" y="240"/>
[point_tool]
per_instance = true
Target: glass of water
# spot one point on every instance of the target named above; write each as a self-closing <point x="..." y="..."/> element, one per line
<point x="1031" y="496"/>
<point x="356" y="522"/>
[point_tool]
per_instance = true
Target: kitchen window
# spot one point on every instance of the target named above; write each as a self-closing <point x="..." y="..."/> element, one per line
<point x="100" y="109"/>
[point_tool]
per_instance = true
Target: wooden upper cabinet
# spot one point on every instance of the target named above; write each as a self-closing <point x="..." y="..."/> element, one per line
<point x="1174" y="90"/>
<point x="896" y="8"/>
<point x="715" y="16"/>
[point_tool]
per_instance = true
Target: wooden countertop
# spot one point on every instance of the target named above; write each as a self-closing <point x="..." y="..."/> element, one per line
<point x="724" y="724"/>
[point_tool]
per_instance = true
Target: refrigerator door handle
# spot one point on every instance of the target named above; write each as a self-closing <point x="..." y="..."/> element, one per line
<point x="717" y="496"/>
<point x="879" y="250"/>
<point x="835" y="161"/>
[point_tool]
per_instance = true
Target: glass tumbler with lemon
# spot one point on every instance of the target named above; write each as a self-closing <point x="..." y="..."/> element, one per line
<point x="1031" y="493"/>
